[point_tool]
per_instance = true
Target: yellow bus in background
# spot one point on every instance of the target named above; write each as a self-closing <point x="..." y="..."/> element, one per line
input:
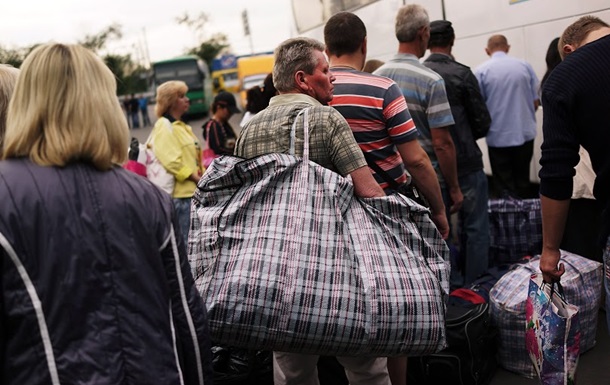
<point x="225" y="80"/>
<point x="252" y="71"/>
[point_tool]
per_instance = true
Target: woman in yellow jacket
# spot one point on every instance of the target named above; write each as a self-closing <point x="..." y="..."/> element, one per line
<point x="177" y="148"/>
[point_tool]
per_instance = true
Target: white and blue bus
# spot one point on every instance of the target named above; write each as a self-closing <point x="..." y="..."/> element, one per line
<point x="529" y="26"/>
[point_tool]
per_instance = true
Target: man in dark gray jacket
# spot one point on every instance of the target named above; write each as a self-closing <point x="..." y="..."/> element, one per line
<point x="472" y="122"/>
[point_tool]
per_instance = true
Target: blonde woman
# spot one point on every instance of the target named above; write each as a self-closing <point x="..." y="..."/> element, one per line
<point x="177" y="147"/>
<point x="96" y="287"/>
<point x="8" y="78"/>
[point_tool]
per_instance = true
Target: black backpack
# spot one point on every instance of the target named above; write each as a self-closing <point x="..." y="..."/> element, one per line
<point x="470" y="358"/>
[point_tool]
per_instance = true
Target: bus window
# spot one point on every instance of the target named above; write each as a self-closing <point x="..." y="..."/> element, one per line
<point x="192" y="71"/>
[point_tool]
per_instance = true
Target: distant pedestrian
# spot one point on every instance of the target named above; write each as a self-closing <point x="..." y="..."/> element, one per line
<point x="125" y="106"/>
<point x="217" y="131"/>
<point x="134" y="111"/>
<point x="261" y="96"/>
<point x="268" y="89"/>
<point x="177" y="147"/>
<point x="255" y="103"/>
<point x="510" y="89"/>
<point x="143" y="105"/>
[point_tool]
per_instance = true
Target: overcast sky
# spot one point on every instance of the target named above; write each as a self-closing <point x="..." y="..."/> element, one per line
<point x="26" y="22"/>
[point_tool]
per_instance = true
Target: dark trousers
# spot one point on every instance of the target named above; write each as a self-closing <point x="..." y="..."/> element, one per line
<point x="510" y="168"/>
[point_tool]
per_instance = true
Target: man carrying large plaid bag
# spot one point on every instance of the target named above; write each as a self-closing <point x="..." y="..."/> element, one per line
<point x="302" y="77"/>
<point x="310" y="257"/>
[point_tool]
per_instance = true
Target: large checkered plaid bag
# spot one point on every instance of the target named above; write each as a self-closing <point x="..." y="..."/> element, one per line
<point x="515" y="228"/>
<point x="287" y="259"/>
<point x="582" y="286"/>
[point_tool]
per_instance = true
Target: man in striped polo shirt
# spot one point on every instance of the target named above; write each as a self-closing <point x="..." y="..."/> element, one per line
<point x="378" y="116"/>
<point x="377" y="113"/>
<point x="426" y="98"/>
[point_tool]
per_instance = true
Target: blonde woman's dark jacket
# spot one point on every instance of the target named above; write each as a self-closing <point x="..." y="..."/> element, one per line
<point x="95" y="287"/>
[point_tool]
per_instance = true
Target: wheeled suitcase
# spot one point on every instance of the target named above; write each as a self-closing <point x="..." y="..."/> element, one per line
<point x="470" y="358"/>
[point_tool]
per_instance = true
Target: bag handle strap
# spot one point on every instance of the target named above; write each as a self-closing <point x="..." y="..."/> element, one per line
<point x="167" y="124"/>
<point x="559" y="289"/>
<point x="381" y="172"/>
<point x="305" y="113"/>
<point x="206" y="129"/>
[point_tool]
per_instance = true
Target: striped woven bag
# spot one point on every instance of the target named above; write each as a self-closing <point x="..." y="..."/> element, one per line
<point x="288" y="259"/>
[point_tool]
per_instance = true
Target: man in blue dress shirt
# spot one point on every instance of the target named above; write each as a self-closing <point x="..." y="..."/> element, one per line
<point x="510" y="89"/>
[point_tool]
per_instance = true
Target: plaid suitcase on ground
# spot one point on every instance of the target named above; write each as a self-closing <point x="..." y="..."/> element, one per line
<point x="515" y="228"/>
<point x="582" y="285"/>
<point x="287" y="259"/>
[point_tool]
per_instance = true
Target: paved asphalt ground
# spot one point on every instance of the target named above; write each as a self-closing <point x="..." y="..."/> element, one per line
<point x="593" y="366"/>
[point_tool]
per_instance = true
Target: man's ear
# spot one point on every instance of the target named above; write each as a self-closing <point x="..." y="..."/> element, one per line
<point x="301" y="80"/>
<point x="568" y="49"/>
<point x="487" y="51"/>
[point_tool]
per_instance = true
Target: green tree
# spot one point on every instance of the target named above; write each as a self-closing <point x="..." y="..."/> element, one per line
<point x="98" y="41"/>
<point x="15" y="56"/>
<point x="131" y="76"/>
<point x="211" y="48"/>
<point x="208" y="48"/>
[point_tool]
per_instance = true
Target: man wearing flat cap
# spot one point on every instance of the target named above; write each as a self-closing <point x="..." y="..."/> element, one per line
<point x="472" y="122"/>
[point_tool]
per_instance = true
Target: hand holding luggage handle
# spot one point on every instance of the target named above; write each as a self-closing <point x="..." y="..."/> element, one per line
<point x="528" y="266"/>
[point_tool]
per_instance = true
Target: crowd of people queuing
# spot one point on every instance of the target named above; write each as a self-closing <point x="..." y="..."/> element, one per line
<point x="96" y="286"/>
<point x="134" y="108"/>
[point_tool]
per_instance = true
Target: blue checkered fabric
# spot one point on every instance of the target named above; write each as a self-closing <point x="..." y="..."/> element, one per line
<point x="582" y="286"/>
<point x="288" y="259"/>
<point x="515" y="228"/>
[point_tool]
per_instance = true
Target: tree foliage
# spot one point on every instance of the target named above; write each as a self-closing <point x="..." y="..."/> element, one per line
<point x="211" y="48"/>
<point x="208" y="48"/>
<point x="98" y="41"/>
<point x="197" y="24"/>
<point x="131" y="77"/>
<point x="15" y="56"/>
